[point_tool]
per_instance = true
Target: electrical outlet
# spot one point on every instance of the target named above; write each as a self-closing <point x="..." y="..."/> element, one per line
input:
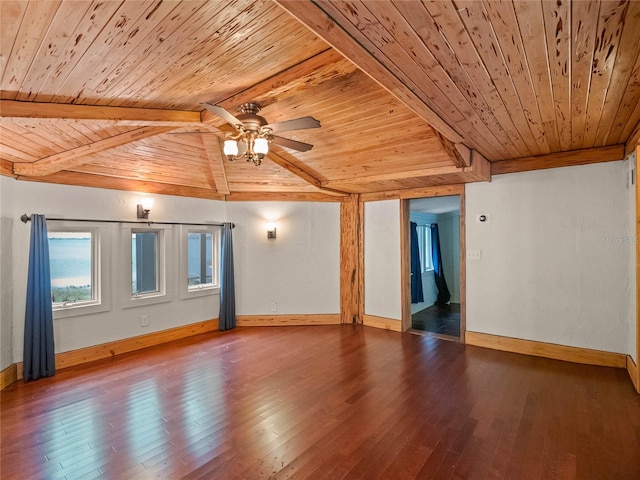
<point x="274" y="307"/>
<point x="144" y="320"/>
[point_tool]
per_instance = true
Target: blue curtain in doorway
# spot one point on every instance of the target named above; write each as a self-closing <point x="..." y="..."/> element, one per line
<point x="227" y="314"/>
<point x="38" y="353"/>
<point x="436" y="255"/>
<point x="417" y="294"/>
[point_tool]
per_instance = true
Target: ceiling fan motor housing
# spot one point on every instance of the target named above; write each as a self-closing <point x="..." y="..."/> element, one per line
<point x="249" y="116"/>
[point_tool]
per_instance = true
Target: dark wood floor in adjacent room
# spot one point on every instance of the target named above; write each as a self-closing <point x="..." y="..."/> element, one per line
<point x="331" y="402"/>
<point x="441" y="319"/>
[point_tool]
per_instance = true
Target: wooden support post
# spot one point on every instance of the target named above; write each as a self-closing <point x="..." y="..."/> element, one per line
<point x="351" y="260"/>
<point x="405" y="263"/>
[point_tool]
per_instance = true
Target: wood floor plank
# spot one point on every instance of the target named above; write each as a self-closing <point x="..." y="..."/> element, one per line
<point x="323" y="402"/>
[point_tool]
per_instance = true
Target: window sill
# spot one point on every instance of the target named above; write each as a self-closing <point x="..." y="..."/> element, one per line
<point x="143" y="300"/>
<point x="79" y="310"/>
<point x="199" y="292"/>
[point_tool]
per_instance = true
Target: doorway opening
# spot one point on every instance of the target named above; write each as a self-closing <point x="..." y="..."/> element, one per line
<point x="435" y="267"/>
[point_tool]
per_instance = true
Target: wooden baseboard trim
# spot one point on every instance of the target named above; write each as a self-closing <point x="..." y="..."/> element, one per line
<point x="382" y="322"/>
<point x="547" y="350"/>
<point x="8" y="376"/>
<point x="284" y="320"/>
<point x="126" y="345"/>
<point x="632" y="370"/>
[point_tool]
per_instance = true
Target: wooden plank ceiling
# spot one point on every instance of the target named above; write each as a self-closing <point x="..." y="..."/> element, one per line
<point x="409" y="94"/>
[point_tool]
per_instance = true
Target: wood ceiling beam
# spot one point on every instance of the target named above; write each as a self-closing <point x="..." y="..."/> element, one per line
<point x="278" y="157"/>
<point x="409" y="193"/>
<point x="268" y="90"/>
<point x="6" y="168"/>
<point x="213" y="150"/>
<point x="459" y="153"/>
<point x="479" y="170"/>
<point x="633" y="141"/>
<point x="314" y="70"/>
<point x="114" y="183"/>
<point x="384" y="177"/>
<point x="120" y="116"/>
<point x="312" y="15"/>
<point x="76" y="156"/>
<point x="282" y="197"/>
<point x="561" y="159"/>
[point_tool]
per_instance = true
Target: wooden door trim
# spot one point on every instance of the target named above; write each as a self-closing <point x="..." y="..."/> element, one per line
<point x="405" y="264"/>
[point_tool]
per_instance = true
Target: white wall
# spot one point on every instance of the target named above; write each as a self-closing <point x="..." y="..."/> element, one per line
<point x="382" y="294"/>
<point x="631" y="338"/>
<point x="555" y="256"/>
<point x="80" y="202"/>
<point x="6" y="275"/>
<point x="299" y="270"/>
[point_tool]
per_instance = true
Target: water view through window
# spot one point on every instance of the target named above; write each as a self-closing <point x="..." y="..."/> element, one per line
<point x="70" y="262"/>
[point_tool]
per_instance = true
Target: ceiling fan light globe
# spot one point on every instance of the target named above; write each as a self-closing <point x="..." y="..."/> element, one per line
<point x="261" y="146"/>
<point x="230" y="148"/>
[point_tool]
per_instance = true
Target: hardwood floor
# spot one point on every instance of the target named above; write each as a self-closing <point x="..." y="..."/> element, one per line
<point x="328" y="402"/>
<point x="441" y="319"/>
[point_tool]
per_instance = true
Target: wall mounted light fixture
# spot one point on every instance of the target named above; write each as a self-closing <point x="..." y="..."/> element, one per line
<point x="271" y="231"/>
<point x="144" y="207"/>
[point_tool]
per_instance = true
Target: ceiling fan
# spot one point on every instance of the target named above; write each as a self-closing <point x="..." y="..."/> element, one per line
<point x="254" y="134"/>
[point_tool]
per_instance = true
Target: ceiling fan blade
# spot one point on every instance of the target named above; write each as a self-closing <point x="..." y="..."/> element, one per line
<point x="192" y="133"/>
<point x="294" y="144"/>
<point x="294" y="124"/>
<point x="223" y="114"/>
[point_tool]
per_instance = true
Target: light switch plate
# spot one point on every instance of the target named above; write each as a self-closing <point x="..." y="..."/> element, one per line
<point x="474" y="254"/>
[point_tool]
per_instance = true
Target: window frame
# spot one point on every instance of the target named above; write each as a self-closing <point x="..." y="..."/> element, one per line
<point x="163" y="267"/>
<point x="100" y="269"/>
<point x="197" y="291"/>
<point x="157" y="281"/>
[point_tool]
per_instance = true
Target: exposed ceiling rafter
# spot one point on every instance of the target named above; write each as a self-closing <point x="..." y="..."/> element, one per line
<point x="316" y="19"/>
<point x="118" y="116"/>
<point x="213" y="150"/>
<point x="76" y="156"/>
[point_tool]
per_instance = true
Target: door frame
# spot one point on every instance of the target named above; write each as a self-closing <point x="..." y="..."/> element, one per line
<point x="405" y="260"/>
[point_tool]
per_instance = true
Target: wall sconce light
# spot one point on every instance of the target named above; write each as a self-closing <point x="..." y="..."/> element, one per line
<point x="271" y="231"/>
<point x="145" y="207"/>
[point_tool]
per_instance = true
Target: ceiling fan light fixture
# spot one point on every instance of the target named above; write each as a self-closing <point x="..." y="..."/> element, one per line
<point x="230" y="148"/>
<point x="261" y="146"/>
<point x="254" y="134"/>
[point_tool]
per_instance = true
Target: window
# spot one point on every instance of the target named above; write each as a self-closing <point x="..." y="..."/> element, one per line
<point x="71" y="258"/>
<point x="200" y="259"/>
<point x="78" y="276"/>
<point x="424" y="246"/>
<point x="147" y="259"/>
<point x="144" y="263"/>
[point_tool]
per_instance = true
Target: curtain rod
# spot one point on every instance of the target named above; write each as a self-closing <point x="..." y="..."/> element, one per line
<point x="26" y="218"/>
